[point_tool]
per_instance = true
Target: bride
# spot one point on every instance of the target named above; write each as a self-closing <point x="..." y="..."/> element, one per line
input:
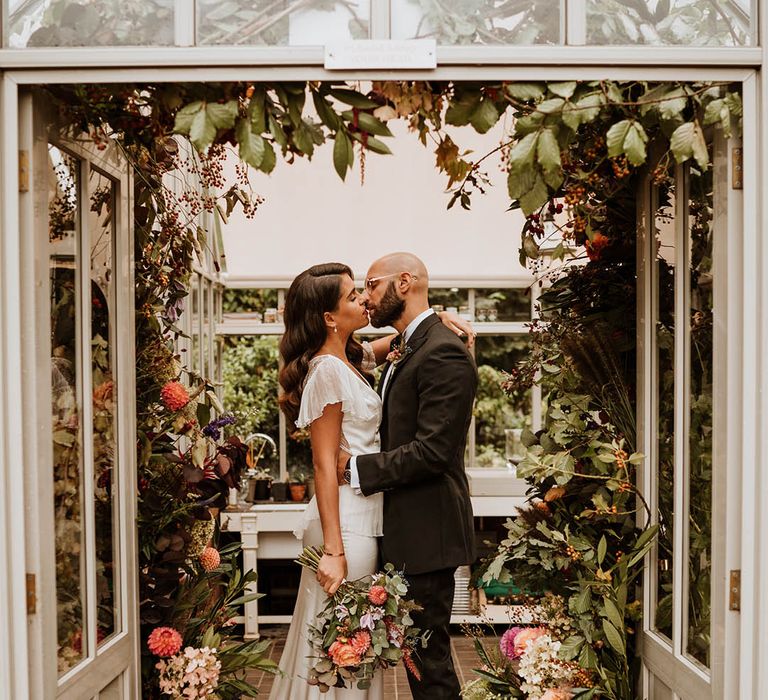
<point x="327" y="386"/>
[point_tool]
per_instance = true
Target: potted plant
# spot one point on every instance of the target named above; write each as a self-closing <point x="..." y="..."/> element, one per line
<point x="263" y="482"/>
<point x="298" y="486"/>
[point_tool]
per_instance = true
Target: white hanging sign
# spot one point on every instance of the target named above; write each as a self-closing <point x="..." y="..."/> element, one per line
<point x="371" y="53"/>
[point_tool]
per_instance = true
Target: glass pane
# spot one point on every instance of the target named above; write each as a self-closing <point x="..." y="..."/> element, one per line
<point x="477" y="22"/>
<point x="66" y="407"/>
<point x="494" y="410"/>
<point x="258" y="304"/>
<point x="101" y="224"/>
<point x="700" y="427"/>
<point x="502" y="305"/>
<point x="665" y="401"/>
<point x="454" y="299"/>
<point x="686" y="22"/>
<point x="194" y="321"/>
<point x="281" y="23"/>
<point x="90" y="23"/>
<point x="250" y="392"/>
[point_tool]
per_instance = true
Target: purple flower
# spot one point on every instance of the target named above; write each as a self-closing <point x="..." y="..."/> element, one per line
<point x="213" y="429"/>
<point x="367" y="622"/>
<point x="341" y="612"/>
<point x="507" y="642"/>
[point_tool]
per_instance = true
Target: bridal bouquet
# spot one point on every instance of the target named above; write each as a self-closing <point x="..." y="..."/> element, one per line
<point x="365" y="626"/>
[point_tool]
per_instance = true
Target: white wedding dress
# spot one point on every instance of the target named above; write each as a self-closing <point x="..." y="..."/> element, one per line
<point x="331" y="381"/>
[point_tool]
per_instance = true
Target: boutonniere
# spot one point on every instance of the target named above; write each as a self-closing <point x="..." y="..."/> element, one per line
<point x="397" y="354"/>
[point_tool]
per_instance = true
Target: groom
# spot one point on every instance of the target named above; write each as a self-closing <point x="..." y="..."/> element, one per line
<point x="428" y="388"/>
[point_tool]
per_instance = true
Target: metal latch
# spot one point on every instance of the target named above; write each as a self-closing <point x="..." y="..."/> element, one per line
<point x="734" y="590"/>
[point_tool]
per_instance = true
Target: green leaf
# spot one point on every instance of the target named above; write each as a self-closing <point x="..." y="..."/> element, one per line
<point x="277" y="132"/>
<point x="614" y="638"/>
<point x="326" y="113"/>
<point x="534" y="197"/>
<point x="371" y="143"/>
<point x="588" y="657"/>
<point x="341" y="149"/>
<point x="571" y="646"/>
<point x="222" y="116"/>
<point x="367" y="122"/>
<point x="547" y="151"/>
<point x="602" y="547"/>
<point x="353" y="98"/>
<point x="202" y="132"/>
<point x="203" y="414"/>
<point x="583" y="600"/>
<point x="673" y="103"/>
<point x="251" y="146"/>
<point x="589" y="106"/>
<point x="525" y="91"/>
<point x="521" y="155"/>
<point x="256" y="110"/>
<point x="688" y="141"/>
<point x="485" y="116"/>
<point x="303" y="140"/>
<point x="564" y="90"/>
<point x="185" y="116"/>
<point x="553" y="105"/>
<point x="613" y="614"/>
<point x="269" y="160"/>
<point x="629" y="138"/>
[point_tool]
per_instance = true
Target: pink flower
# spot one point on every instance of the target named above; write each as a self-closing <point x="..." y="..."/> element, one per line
<point x="360" y="642"/>
<point x="164" y="641"/>
<point x="174" y="396"/>
<point x="557" y="694"/>
<point x="210" y="559"/>
<point x="343" y="654"/>
<point x="507" y="642"/>
<point x="526" y="635"/>
<point x="378" y="595"/>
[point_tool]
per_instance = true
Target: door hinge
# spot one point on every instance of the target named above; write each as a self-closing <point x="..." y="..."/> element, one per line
<point x="31" y="594"/>
<point x="734" y="590"/>
<point x="737" y="169"/>
<point x="23" y="171"/>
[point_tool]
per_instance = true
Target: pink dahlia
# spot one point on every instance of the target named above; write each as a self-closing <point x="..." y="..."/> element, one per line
<point x="507" y="642"/>
<point x="361" y="641"/>
<point x="174" y="395"/>
<point x="164" y="641"/>
<point x="210" y="559"/>
<point x="378" y="595"/>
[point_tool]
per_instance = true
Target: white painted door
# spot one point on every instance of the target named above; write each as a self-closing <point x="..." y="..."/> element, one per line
<point x="80" y="483"/>
<point x="688" y="407"/>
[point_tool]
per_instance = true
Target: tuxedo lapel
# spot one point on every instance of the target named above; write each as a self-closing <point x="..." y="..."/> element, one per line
<point x="414" y="343"/>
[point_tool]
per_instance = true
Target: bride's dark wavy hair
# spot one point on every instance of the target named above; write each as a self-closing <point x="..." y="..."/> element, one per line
<point x="314" y="292"/>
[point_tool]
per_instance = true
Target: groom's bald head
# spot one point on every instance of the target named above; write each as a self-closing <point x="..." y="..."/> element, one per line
<point x="397" y="289"/>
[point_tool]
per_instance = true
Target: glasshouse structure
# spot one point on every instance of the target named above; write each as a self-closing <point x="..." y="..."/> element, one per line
<point x="585" y="181"/>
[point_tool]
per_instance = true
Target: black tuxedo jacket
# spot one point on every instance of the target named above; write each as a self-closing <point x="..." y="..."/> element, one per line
<point x="427" y="409"/>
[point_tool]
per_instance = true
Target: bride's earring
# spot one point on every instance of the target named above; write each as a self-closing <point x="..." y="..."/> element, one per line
<point x="335" y="329"/>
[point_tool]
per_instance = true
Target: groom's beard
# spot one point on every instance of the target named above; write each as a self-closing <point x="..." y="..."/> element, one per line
<point x="389" y="310"/>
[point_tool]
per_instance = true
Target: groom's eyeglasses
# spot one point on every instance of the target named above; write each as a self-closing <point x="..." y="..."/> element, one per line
<point x="371" y="282"/>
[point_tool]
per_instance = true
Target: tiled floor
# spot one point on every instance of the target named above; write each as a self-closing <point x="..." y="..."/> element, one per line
<point x="395" y="683"/>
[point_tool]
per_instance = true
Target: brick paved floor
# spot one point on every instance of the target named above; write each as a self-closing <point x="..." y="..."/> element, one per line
<point x="395" y="682"/>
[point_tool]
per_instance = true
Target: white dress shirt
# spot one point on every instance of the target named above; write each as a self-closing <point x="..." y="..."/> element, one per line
<point x="354" y="480"/>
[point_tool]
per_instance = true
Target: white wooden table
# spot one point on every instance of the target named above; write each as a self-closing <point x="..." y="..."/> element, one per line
<point x="266" y="532"/>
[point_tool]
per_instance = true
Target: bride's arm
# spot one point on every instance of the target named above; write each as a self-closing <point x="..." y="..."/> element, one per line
<point x="325" y="437"/>
<point x="458" y="325"/>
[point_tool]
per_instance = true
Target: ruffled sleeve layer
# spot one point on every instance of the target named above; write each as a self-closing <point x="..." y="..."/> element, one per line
<point x="329" y="382"/>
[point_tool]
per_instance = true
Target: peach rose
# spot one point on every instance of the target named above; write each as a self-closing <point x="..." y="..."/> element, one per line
<point x="527" y="635"/>
<point x="557" y="694"/>
<point x="343" y="654"/>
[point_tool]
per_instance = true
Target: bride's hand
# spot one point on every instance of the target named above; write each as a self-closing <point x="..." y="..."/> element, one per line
<point x="458" y="325"/>
<point x="331" y="573"/>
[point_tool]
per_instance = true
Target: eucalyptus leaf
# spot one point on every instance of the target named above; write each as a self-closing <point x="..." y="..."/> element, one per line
<point x="341" y="148"/>
<point x="614" y="638"/>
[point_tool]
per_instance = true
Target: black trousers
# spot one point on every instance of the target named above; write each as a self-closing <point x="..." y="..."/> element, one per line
<point x="434" y="591"/>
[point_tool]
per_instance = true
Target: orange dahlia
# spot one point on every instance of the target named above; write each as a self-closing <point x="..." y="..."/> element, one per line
<point x="210" y="558"/>
<point x="174" y="396"/>
<point x="361" y="641"/>
<point x="378" y="595"/>
<point x="164" y="641"/>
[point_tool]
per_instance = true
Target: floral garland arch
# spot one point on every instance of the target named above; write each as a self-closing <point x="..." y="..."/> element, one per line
<point x="574" y="155"/>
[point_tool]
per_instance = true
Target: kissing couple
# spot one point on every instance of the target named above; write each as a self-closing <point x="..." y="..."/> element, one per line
<point x="388" y="462"/>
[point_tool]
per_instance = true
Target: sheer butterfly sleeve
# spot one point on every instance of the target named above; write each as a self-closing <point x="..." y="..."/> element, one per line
<point x="330" y="382"/>
<point x="369" y="358"/>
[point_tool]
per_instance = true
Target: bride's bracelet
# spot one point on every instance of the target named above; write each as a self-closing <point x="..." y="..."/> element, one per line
<point x="331" y="554"/>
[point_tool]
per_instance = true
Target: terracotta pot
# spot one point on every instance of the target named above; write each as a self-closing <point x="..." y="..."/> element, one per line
<point x="298" y="492"/>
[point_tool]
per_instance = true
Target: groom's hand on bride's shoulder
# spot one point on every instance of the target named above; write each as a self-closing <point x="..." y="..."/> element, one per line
<point x="344" y="458"/>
